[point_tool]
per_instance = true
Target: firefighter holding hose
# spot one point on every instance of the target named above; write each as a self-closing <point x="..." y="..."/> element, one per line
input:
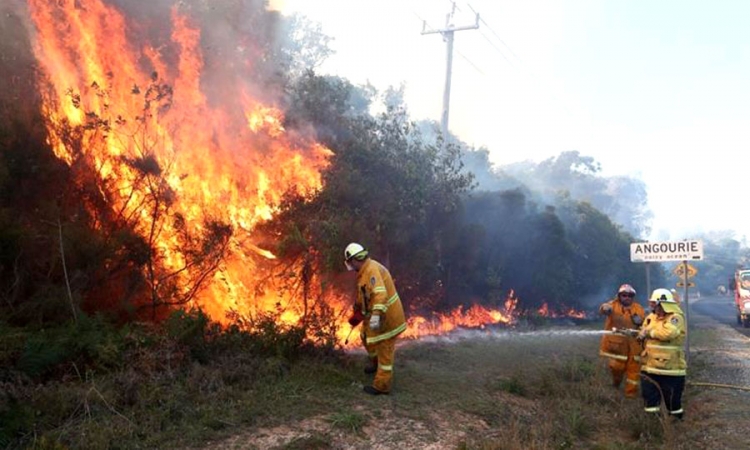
<point x="622" y="351"/>
<point x="379" y="308"/>
<point x="664" y="365"/>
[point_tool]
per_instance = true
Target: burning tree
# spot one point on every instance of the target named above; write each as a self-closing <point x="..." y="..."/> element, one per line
<point x="202" y="192"/>
<point x="190" y="175"/>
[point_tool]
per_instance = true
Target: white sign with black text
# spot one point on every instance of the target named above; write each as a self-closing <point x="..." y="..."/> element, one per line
<point x="666" y="251"/>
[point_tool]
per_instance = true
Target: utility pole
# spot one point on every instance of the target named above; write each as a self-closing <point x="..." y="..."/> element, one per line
<point x="447" y="33"/>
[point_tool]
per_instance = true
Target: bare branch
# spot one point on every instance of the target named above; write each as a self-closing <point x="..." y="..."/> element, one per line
<point x="65" y="272"/>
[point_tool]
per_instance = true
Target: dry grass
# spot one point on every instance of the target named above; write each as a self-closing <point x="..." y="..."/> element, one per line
<point x="521" y="391"/>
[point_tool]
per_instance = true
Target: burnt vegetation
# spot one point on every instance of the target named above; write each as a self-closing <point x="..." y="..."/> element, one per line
<point x="91" y="331"/>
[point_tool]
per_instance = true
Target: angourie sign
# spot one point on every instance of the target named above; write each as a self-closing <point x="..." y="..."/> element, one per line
<point x="666" y="251"/>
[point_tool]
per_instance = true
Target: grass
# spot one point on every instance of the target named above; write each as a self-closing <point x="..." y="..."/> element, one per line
<point x="514" y="392"/>
<point x="349" y="421"/>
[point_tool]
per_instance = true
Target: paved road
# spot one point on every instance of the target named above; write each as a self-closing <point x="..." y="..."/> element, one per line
<point x="719" y="355"/>
<point x="719" y="308"/>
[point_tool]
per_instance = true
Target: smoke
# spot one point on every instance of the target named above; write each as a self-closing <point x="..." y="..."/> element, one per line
<point x="18" y="92"/>
<point x="239" y="43"/>
<point x="623" y="199"/>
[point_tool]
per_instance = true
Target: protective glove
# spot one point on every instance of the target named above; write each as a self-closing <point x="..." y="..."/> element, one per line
<point x="606" y="309"/>
<point x="356" y="318"/>
<point x="642" y="335"/>
<point x="374" y="322"/>
<point x="637" y="320"/>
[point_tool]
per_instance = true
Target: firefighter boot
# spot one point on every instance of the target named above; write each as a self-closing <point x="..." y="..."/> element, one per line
<point x="372" y="391"/>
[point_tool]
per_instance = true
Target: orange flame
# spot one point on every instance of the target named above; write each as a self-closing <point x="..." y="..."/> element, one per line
<point x="476" y="316"/>
<point x="152" y="131"/>
<point x="152" y="134"/>
<point x="563" y="312"/>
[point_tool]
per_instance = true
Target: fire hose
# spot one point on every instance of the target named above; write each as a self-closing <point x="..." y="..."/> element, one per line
<point x="633" y="333"/>
<point x="625" y="331"/>
<point x="718" y="385"/>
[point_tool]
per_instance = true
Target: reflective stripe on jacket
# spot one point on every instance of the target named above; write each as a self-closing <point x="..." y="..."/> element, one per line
<point x="376" y="294"/>
<point x="664" y="353"/>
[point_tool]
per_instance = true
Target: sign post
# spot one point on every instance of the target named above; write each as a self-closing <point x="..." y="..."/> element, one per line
<point x="689" y="250"/>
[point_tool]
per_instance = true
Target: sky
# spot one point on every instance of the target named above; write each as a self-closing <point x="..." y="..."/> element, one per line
<point x="659" y="90"/>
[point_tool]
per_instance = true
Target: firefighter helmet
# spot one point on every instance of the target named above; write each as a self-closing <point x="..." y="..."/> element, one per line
<point x="354" y="251"/>
<point x="626" y="289"/>
<point x="662" y="295"/>
<point x="665" y="299"/>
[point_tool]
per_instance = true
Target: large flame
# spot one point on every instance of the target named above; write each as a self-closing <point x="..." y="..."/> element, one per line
<point x="154" y="135"/>
<point x="172" y="161"/>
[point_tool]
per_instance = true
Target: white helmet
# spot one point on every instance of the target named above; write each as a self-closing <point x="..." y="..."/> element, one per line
<point x="354" y="251"/>
<point x="626" y="289"/>
<point x="662" y="295"/>
<point x="665" y="298"/>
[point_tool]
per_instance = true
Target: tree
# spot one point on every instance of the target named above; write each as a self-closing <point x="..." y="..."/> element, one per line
<point x="724" y="253"/>
<point x="384" y="188"/>
<point x="622" y="198"/>
<point x="305" y="48"/>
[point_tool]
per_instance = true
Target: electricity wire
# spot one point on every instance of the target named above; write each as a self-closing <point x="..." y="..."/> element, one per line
<point x="428" y="26"/>
<point x="481" y="19"/>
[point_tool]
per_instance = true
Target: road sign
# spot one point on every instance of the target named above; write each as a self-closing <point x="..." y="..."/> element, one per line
<point x="679" y="271"/>
<point x="666" y="251"/>
<point x="681" y="284"/>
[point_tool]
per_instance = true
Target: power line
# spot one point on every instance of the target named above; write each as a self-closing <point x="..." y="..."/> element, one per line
<point x="448" y="33"/>
<point x="454" y="4"/>
<point x="527" y="71"/>
<point x="477" y="68"/>
<point x="495" y="47"/>
<point x="500" y="39"/>
<point x="496" y="35"/>
<point x="421" y="19"/>
<point x="481" y="72"/>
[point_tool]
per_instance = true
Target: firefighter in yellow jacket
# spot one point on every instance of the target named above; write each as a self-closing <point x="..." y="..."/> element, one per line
<point x="621" y="350"/>
<point x="664" y="366"/>
<point x="380" y="307"/>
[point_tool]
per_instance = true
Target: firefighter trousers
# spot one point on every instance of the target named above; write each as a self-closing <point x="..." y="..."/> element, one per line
<point x="630" y="370"/>
<point x="384" y="352"/>
<point x="654" y="388"/>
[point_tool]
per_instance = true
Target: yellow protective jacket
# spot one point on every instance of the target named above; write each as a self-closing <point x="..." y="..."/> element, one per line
<point x="664" y="353"/>
<point x="618" y="346"/>
<point x="376" y="294"/>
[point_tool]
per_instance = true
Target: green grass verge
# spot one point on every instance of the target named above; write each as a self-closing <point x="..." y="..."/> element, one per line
<point x="526" y="391"/>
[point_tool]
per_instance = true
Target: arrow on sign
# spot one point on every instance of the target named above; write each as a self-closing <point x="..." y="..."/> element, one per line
<point x="681" y="284"/>
<point x="679" y="270"/>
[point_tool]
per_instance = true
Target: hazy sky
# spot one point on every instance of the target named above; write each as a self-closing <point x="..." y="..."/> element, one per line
<point x="656" y="89"/>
